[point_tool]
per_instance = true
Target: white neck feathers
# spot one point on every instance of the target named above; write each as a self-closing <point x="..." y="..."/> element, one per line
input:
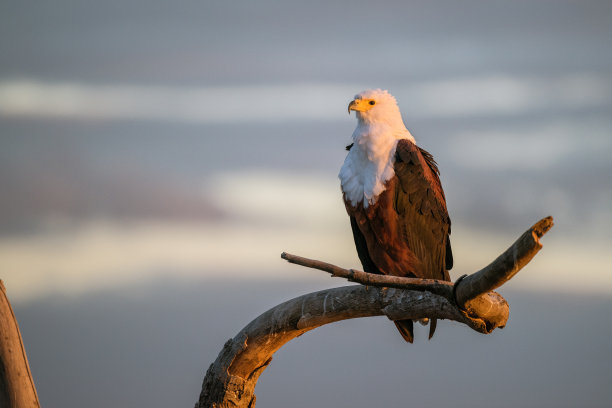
<point x="369" y="163"/>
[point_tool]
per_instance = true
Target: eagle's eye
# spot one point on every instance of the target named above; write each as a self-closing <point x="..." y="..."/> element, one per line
<point x="372" y="102"/>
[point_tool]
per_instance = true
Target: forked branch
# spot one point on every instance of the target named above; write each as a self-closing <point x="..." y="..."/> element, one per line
<point x="464" y="290"/>
<point x="230" y="381"/>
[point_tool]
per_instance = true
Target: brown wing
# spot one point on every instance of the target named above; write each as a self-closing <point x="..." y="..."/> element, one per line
<point x="422" y="216"/>
<point x="406" y="232"/>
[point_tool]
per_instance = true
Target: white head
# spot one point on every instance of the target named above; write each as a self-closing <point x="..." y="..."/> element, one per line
<point x="370" y="161"/>
<point x="377" y="106"/>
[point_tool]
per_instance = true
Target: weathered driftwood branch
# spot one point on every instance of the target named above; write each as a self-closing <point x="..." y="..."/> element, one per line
<point x="16" y="385"/>
<point x="230" y="381"/>
<point x="468" y="290"/>
<point x="506" y="265"/>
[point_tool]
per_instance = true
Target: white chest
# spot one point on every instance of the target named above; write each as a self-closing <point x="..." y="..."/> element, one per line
<point x="369" y="163"/>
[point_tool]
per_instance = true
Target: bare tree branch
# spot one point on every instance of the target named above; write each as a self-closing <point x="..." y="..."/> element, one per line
<point x="16" y="385"/>
<point x="230" y="381"/>
<point x="438" y="287"/>
<point x="506" y="265"/>
<point x="490" y="277"/>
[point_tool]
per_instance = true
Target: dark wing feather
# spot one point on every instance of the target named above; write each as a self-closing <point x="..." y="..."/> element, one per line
<point x="420" y="204"/>
<point x="449" y="252"/>
<point x="362" y="249"/>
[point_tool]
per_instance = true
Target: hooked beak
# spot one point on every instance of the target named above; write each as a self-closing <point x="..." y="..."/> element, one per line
<point x="352" y="106"/>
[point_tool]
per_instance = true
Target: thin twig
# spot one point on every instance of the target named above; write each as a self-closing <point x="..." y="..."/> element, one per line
<point x="438" y="287"/>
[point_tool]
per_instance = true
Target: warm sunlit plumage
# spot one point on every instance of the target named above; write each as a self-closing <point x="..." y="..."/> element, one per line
<point x="394" y="198"/>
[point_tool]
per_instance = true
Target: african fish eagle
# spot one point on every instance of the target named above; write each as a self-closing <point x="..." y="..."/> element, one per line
<point x="393" y="196"/>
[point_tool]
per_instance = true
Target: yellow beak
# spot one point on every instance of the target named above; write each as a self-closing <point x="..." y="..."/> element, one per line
<point x="358" y="105"/>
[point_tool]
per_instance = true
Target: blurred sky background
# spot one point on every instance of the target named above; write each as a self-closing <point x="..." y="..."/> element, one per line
<point x="157" y="157"/>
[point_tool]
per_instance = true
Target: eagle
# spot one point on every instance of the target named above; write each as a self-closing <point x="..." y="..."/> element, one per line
<point x="393" y="196"/>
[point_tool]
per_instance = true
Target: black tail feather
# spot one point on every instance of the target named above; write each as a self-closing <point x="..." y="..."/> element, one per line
<point x="432" y="327"/>
<point x="405" y="327"/>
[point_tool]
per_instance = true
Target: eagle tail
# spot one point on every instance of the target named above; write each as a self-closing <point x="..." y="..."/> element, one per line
<point x="432" y="327"/>
<point x="406" y="329"/>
